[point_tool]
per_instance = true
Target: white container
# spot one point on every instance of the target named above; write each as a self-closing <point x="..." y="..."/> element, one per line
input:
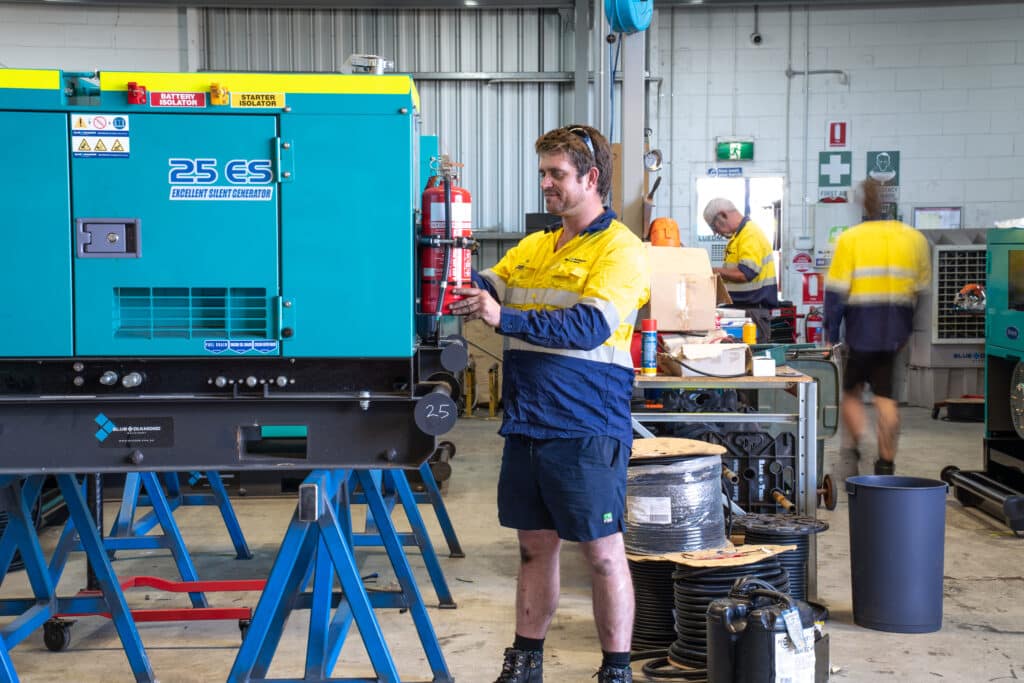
<point x="764" y="366"/>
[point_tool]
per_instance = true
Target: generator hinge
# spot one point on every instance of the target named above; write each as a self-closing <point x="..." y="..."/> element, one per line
<point x="283" y="160"/>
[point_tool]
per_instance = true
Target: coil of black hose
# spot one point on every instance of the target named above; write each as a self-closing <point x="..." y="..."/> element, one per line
<point x="769" y="529"/>
<point x="654" y="621"/>
<point x="694" y="521"/>
<point x="693" y="590"/>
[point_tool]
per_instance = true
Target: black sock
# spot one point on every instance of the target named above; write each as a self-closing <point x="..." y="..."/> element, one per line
<point x="617" y="660"/>
<point x="528" y="644"/>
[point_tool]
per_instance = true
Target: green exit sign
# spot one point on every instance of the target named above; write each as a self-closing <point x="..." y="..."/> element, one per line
<point x="735" y="150"/>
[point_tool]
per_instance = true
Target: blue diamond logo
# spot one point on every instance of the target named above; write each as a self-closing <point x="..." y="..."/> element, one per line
<point x="106" y="427"/>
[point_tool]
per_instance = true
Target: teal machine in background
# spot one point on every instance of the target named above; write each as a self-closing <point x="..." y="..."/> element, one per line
<point x="215" y="271"/>
<point x="999" y="487"/>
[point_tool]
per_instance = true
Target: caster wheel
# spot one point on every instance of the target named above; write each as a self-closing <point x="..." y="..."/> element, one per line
<point x="447" y="446"/>
<point x="57" y="635"/>
<point x="830" y="497"/>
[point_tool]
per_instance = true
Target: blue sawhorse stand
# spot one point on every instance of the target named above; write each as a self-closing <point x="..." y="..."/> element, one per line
<point x="20" y="535"/>
<point x="318" y="543"/>
<point x="126" y="526"/>
<point x="162" y="514"/>
<point x="432" y="494"/>
<point x="394" y="487"/>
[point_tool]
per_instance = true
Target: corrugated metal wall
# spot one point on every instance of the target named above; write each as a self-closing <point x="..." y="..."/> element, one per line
<point x="488" y="126"/>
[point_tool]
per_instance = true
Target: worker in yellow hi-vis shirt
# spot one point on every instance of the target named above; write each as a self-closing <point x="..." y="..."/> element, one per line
<point x="566" y="300"/>
<point x="748" y="267"/>
<point x="878" y="269"/>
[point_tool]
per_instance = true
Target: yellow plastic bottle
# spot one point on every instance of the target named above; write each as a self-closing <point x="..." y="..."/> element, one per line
<point x="749" y="333"/>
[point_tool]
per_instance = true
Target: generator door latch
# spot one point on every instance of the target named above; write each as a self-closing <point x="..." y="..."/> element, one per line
<point x="108" y="238"/>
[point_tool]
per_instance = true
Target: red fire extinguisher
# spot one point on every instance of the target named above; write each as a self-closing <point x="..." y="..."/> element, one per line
<point x="445" y="243"/>
<point x="814" y="327"/>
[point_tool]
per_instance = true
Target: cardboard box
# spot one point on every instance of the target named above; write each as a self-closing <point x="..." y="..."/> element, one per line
<point x="716" y="360"/>
<point x="684" y="290"/>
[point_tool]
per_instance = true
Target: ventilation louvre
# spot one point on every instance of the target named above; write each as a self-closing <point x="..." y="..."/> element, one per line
<point x="190" y="312"/>
<point x="954" y="267"/>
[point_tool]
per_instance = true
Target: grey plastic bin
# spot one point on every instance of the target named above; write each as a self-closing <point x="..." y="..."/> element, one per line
<point x="897" y="540"/>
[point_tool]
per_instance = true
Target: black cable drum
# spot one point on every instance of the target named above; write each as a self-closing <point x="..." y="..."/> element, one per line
<point x="674" y="505"/>
<point x="655" y="619"/>
<point x="695" y="588"/>
<point x="768" y="529"/>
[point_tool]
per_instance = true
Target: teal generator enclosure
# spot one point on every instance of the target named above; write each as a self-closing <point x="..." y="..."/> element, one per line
<point x="216" y="260"/>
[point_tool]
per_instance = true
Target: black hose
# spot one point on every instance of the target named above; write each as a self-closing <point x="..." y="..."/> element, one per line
<point x="693" y="590"/>
<point x="768" y="529"/>
<point x="691" y="517"/>
<point x="654" y="621"/>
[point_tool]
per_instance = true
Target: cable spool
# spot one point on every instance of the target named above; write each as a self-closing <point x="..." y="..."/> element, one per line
<point x="654" y="622"/>
<point x="674" y="505"/>
<point x="770" y="529"/>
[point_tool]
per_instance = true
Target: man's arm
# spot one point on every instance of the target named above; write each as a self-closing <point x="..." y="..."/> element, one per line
<point x="732" y="273"/>
<point x="616" y="286"/>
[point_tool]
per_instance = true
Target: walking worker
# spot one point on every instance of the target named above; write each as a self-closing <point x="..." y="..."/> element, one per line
<point x="566" y="301"/>
<point x="878" y="269"/>
<point x="748" y="267"/>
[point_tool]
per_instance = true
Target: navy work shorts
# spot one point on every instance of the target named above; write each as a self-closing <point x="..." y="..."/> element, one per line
<point x="575" y="486"/>
<point x="875" y="368"/>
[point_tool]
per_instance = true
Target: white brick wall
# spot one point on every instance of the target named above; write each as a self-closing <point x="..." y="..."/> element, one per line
<point x="78" y="38"/>
<point x="943" y="85"/>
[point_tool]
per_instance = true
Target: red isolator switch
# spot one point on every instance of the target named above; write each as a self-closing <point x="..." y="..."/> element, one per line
<point x="136" y="93"/>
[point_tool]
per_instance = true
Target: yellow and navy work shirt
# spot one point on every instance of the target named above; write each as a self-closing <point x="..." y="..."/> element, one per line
<point x="568" y="318"/>
<point x="878" y="268"/>
<point x="748" y="250"/>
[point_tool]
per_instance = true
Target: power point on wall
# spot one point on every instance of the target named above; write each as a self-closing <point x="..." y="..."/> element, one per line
<point x="804" y="242"/>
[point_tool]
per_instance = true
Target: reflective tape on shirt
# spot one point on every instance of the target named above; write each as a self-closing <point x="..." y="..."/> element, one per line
<point x="885" y="271"/>
<point x="496" y="282"/>
<point x="540" y="296"/>
<point x="602" y="354"/>
<point x="607" y="309"/>
<point x="891" y="298"/>
<point x="751" y="286"/>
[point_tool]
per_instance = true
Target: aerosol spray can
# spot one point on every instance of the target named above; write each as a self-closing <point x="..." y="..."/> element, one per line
<point x="649" y="347"/>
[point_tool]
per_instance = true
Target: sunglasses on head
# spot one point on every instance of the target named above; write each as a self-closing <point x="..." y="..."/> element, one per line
<point x="583" y="135"/>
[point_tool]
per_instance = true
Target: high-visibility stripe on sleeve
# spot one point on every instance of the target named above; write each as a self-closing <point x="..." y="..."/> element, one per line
<point x="607" y="308"/>
<point x="496" y="282"/>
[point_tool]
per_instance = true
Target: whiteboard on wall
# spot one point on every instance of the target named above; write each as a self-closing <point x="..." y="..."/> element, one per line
<point x="937" y="217"/>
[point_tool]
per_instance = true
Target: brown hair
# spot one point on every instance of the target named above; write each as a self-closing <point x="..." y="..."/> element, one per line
<point x="575" y="147"/>
<point x="871" y="198"/>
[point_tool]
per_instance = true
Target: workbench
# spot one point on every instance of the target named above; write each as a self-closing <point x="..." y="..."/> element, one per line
<point x="805" y="420"/>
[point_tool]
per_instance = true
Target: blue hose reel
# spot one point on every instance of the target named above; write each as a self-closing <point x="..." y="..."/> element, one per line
<point x="629" y="16"/>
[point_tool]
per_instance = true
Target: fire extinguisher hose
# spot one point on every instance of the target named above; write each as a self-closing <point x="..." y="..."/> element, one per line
<point x="447" y="247"/>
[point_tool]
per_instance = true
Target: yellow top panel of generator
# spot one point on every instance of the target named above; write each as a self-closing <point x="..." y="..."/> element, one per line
<point x="315" y="84"/>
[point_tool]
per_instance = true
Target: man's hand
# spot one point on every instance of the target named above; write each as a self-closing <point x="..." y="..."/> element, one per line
<point x="477" y="303"/>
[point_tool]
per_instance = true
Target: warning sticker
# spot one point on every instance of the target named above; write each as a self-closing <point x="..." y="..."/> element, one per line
<point x="100" y="135"/>
<point x="177" y="99"/>
<point x="252" y="100"/>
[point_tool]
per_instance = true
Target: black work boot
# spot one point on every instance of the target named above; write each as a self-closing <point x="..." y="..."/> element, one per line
<point x="885" y="467"/>
<point x="612" y="674"/>
<point x="522" y="666"/>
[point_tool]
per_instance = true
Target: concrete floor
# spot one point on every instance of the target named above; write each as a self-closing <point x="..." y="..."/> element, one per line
<point x="982" y="638"/>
